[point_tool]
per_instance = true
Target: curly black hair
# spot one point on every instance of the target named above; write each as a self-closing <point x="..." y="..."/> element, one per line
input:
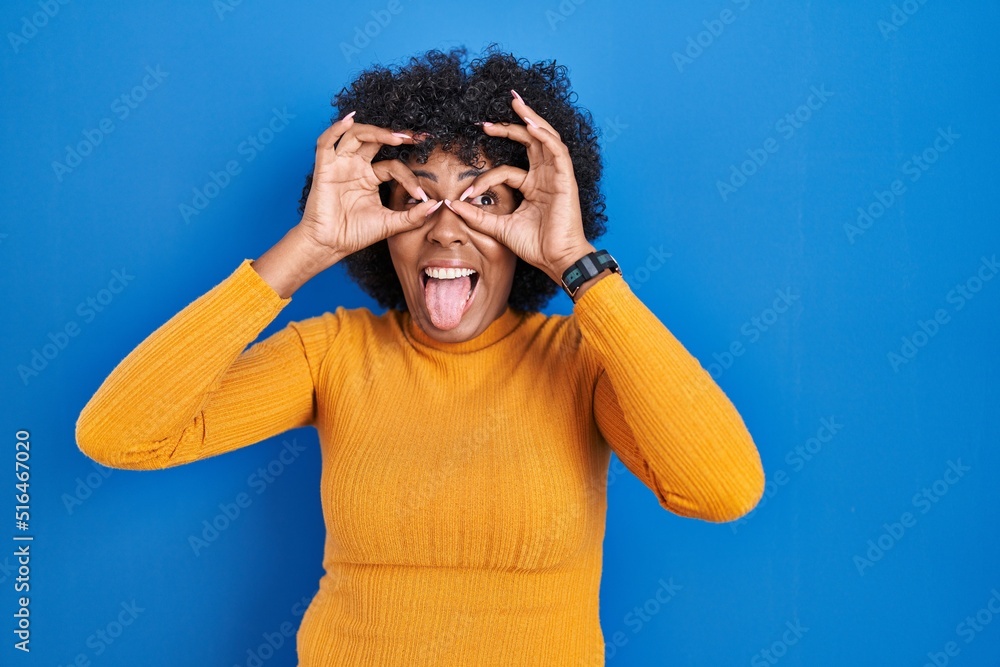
<point x="436" y="93"/>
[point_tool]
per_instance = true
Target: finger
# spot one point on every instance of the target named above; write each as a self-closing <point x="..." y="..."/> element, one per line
<point x="549" y="140"/>
<point x="540" y="144"/>
<point x="480" y="220"/>
<point x="359" y="133"/>
<point x="395" y="222"/>
<point x="395" y="170"/>
<point x="328" y="139"/>
<point x="521" y="134"/>
<point x="527" y="113"/>
<point x="508" y="175"/>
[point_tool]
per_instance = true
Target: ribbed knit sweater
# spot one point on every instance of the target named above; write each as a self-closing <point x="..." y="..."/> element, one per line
<point x="463" y="484"/>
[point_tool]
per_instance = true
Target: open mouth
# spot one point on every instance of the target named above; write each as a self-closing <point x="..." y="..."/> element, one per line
<point x="425" y="276"/>
<point x="448" y="294"/>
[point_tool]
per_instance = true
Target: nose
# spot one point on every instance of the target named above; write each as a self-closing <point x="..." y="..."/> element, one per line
<point x="447" y="228"/>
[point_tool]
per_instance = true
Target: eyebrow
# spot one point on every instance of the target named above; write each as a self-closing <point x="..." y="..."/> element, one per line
<point x="468" y="173"/>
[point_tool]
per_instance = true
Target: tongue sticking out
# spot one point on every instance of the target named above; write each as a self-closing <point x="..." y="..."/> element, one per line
<point x="446" y="299"/>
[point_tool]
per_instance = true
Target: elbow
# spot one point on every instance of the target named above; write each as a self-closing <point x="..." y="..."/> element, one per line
<point x="739" y="498"/>
<point x="720" y="499"/>
<point x="111" y="451"/>
<point x="97" y="447"/>
<point x="92" y="440"/>
<point x="88" y="441"/>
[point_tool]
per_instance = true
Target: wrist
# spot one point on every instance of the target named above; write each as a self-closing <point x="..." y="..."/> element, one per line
<point x="312" y="251"/>
<point x="582" y="268"/>
<point x="590" y="283"/>
<point x="568" y="259"/>
<point x="293" y="261"/>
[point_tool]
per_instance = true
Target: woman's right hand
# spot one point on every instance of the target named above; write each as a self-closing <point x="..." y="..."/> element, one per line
<point x="343" y="212"/>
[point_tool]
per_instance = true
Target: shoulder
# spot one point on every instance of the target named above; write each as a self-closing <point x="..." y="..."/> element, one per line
<point x="558" y="333"/>
<point x="565" y="343"/>
<point x="344" y="326"/>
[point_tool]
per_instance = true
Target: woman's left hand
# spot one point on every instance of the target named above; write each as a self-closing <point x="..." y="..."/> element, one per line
<point x="546" y="230"/>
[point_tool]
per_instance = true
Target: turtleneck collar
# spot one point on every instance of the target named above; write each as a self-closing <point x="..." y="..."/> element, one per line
<point x="495" y="331"/>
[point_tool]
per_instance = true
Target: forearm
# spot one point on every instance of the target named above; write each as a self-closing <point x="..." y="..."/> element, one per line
<point x="684" y="425"/>
<point x="293" y="261"/>
<point x="142" y="415"/>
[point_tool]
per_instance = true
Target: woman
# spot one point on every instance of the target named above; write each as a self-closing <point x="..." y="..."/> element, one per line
<point x="465" y="436"/>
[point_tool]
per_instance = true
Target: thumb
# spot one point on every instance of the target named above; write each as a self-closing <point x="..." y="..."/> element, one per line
<point x="411" y="218"/>
<point x="480" y="220"/>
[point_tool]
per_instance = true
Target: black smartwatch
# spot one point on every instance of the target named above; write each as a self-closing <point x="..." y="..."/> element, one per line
<point x="586" y="268"/>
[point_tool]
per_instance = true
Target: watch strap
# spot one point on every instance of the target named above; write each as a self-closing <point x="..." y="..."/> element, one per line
<point x="585" y="268"/>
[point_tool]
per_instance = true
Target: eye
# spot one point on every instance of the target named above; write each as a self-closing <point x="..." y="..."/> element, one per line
<point x="492" y="199"/>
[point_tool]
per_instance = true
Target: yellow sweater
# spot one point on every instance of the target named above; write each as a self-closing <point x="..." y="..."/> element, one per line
<point x="463" y="484"/>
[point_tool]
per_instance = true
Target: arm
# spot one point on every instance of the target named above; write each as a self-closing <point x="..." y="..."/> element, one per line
<point x="189" y="391"/>
<point x="662" y="413"/>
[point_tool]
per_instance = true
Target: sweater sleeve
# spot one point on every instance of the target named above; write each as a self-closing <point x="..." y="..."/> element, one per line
<point x="662" y="413"/>
<point x="189" y="390"/>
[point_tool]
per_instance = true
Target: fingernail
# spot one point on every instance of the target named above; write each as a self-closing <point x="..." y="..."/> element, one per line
<point x="350" y="115"/>
<point x="433" y="208"/>
<point x="486" y="123"/>
<point x="530" y="122"/>
<point x="447" y="202"/>
<point x="514" y="92"/>
<point x="402" y="135"/>
<point x="465" y="194"/>
<point x="422" y="194"/>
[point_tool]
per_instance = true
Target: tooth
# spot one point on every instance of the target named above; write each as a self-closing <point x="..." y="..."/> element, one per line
<point x="447" y="273"/>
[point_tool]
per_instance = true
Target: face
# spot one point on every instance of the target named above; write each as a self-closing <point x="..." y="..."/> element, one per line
<point x="440" y="306"/>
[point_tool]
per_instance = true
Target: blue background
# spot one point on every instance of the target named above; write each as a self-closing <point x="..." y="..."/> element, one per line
<point x="673" y="130"/>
